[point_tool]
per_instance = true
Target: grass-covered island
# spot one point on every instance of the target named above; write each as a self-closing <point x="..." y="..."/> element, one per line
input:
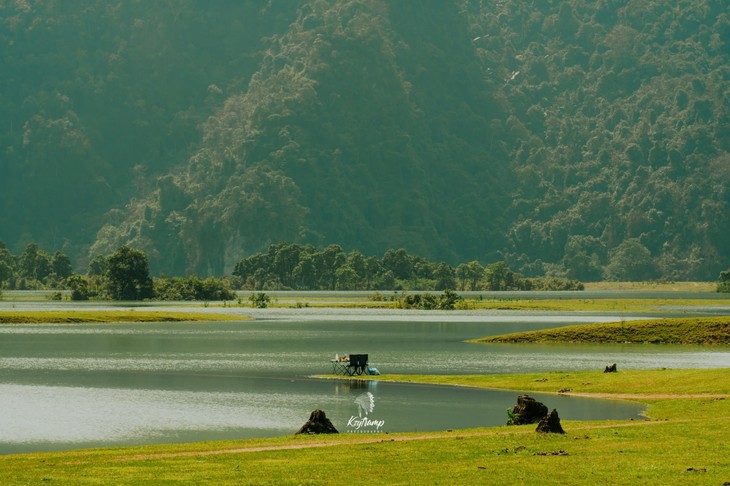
<point x="684" y="330"/>
<point x="70" y="316"/>
<point x="682" y="441"/>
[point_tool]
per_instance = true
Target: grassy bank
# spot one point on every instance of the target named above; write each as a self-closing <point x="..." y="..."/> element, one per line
<point x="635" y="382"/>
<point x="569" y="303"/>
<point x="683" y="442"/>
<point x="685" y="330"/>
<point x="562" y="302"/>
<point x="37" y="317"/>
<point x="653" y="286"/>
<point x="574" y="302"/>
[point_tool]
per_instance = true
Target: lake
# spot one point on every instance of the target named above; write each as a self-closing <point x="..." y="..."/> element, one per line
<point x="80" y="385"/>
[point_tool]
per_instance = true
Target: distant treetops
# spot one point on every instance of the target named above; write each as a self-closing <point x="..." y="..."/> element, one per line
<point x="304" y="267"/>
<point x="124" y="275"/>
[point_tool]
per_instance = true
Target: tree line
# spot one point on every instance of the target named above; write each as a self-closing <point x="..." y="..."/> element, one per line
<point x="125" y="275"/>
<point x="33" y="268"/>
<point x="305" y="267"/>
<point x="122" y="275"/>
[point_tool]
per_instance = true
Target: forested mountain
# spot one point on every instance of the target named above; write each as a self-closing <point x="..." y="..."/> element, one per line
<point x="577" y="138"/>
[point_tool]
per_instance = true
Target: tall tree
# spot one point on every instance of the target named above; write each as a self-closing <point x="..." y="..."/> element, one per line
<point x="127" y="275"/>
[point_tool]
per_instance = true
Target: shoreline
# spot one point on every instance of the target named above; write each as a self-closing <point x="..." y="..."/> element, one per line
<point x="512" y="453"/>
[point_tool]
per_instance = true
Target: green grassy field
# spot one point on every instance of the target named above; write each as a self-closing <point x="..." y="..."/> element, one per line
<point x="636" y="382"/>
<point x="684" y="330"/>
<point x="37" y="317"/>
<point x="683" y="441"/>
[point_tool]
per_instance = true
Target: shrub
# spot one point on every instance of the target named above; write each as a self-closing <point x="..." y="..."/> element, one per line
<point x="259" y="300"/>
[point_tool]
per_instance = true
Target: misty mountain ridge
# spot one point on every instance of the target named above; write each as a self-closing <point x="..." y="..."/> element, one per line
<point x="575" y="138"/>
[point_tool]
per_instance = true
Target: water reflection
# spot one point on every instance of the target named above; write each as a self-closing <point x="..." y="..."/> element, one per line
<point x="72" y="385"/>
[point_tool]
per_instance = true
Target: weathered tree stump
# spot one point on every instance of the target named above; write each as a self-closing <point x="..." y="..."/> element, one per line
<point x="527" y="411"/>
<point x="550" y="424"/>
<point x="318" y="423"/>
<point x="610" y="369"/>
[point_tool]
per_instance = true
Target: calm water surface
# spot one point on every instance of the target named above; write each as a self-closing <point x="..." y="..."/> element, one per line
<point x="68" y="386"/>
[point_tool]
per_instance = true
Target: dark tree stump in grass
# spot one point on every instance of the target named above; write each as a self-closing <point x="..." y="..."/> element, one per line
<point x="550" y="424"/>
<point x="527" y="411"/>
<point x="318" y="423"/>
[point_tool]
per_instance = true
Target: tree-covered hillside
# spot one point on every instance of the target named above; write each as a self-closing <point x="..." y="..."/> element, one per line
<point x="587" y="139"/>
<point x="98" y="99"/>
<point x="624" y="110"/>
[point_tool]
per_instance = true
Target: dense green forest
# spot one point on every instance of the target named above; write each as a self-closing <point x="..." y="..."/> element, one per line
<point x="587" y="139"/>
<point x="304" y="267"/>
<point x="124" y="274"/>
<point x="121" y="275"/>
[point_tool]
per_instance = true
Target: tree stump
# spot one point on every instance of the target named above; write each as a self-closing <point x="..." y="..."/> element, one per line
<point x="610" y="369"/>
<point x="318" y="423"/>
<point x="550" y="424"/>
<point x="527" y="411"/>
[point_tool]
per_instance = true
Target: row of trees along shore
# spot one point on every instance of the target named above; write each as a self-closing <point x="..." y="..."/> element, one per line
<point x="304" y="267"/>
<point x="124" y="275"/>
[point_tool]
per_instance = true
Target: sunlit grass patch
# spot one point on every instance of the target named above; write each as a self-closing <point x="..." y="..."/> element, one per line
<point x="70" y="316"/>
<point x="684" y="330"/>
<point x="665" y="381"/>
<point x="576" y="303"/>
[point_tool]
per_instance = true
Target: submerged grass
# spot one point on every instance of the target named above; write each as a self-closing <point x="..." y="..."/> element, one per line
<point x="45" y="317"/>
<point x="683" y="442"/>
<point x="683" y="330"/>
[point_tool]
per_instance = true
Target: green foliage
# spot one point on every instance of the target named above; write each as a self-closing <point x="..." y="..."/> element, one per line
<point x="543" y="134"/>
<point x="127" y="275"/>
<point x="723" y="284"/>
<point x="630" y="261"/>
<point x="445" y="301"/>
<point x="33" y="268"/>
<point x="98" y="265"/>
<point x="61" y="265"/>
<point x="84" y="136"/>
<point x="304" y="267"/>
<point x="469" y="274"/>
<point x="7" y="264"/>
<point x="259" y="300"/>
<point x="499" y="277"/>
<point x="79" y="286"/>
<point x="512" y="417"/>
<point x="6" y="272"/>
<point x="551" y="283"/>
<point x="192" y="288"/>
<point x="34" y="263"/>
<point x="626" y="135"/>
